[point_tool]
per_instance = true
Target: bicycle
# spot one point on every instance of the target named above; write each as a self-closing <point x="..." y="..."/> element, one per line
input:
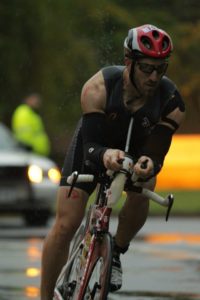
<point x="87" y="273"/>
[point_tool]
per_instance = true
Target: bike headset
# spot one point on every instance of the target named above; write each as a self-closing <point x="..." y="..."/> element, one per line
<point x="146" y="41"/>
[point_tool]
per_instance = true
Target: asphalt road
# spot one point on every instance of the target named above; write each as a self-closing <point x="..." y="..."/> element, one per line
<point x="162" y="263"/>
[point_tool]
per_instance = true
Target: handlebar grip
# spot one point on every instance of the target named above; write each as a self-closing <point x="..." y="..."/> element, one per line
<point x="85" y="178"/>
<point x="80" y="178"/>
<point x="157" y="198"/>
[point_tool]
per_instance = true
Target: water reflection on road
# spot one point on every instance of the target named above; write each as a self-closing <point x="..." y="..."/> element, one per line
<point x="157" y="266"/>
<point x="20" y="269"/>
<point x="153" y="296"/>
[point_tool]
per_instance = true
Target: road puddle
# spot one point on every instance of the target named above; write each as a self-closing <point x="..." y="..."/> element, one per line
<point x="172" y="238"/>
<point x="127" y="295"/>
<point x="16" y="293"/>
<point x="32" y="292"/>
<point x="158" y="266"/>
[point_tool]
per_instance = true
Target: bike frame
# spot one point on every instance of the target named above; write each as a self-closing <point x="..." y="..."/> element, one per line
<point x="97" y="221"/>
<point x="98" y="224"/>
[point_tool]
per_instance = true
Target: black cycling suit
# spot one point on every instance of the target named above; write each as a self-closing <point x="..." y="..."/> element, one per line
<point x="165" y="100"/>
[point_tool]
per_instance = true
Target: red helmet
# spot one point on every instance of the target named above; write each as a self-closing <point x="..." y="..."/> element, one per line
<point x="149" y="41"/>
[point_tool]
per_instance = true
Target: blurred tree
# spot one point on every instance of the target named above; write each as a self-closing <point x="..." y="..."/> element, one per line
<point x="53" y="47"/>
<point x="18" y="37"/>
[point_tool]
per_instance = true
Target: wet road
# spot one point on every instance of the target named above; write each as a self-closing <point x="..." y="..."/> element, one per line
<point x="162" y="263"/>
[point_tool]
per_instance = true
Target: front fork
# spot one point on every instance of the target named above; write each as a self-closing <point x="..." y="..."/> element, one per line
<point x="98" y="225"/>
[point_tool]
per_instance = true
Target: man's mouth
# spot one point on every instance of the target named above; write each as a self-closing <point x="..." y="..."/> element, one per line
<point x="151" y="85"/>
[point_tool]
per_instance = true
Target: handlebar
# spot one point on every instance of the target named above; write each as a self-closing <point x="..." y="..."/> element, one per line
<point x="117" y="186"/>
<point x="118" y="183"/>
<point x="80" y="178"/>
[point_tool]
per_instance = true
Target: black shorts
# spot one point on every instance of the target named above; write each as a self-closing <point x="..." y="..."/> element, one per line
<point x="74" y="161"/>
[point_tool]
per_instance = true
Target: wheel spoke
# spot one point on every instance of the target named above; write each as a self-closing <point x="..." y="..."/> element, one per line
<point x="94" y="286"/>
<point x="98" y="279"/>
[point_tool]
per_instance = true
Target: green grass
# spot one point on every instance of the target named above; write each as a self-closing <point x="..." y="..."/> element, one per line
<point x="185" y="203"/>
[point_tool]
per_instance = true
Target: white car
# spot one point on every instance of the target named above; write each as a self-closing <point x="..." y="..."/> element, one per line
<point x="28" y="182"/>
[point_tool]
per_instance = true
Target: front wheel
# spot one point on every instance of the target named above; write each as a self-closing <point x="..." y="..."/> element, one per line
<point x="98" y="278"/>
<point x="69" y="278"/>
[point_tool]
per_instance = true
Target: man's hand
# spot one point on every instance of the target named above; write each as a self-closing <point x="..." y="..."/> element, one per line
<point x="144" y="167"/>
<point x="112" y="158"/>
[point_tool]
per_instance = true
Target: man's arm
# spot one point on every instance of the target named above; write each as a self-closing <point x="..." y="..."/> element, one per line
<point x="93" y="102"/>
<point x="159" y="143"/>
<point x="93" y="95"/>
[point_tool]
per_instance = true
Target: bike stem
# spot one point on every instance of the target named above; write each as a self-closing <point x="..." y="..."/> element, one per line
<point x="128" y="139"/>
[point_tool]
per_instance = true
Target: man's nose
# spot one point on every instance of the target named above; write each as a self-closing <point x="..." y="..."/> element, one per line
<point x="154" y="76"/>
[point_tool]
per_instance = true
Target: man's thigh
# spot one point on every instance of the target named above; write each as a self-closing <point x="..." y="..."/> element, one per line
<point x="70" y="210"/>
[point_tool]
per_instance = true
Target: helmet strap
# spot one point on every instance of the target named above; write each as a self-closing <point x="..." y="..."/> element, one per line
<point x="132" y="77"/>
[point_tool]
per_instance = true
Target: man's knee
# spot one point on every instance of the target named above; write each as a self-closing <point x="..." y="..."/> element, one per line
<point x="70" y="211"/>
<point x="136" y="202"/>
<point x="65" y="228"/>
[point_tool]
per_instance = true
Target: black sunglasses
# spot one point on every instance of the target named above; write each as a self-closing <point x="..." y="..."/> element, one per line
<point x="148" y="69"/>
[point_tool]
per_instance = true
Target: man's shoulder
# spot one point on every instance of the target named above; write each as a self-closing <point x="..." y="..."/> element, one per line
<point x="167" y="85"/>
<point x="171" y="98"/>
<point x="116" y="68"/>
<point x="22" y="112"/>
<point x="112" y="72"/>
<point x="22" y="108"/>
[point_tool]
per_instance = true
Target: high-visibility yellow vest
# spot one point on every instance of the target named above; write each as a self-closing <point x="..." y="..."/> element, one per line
<point x="28" y="128"/>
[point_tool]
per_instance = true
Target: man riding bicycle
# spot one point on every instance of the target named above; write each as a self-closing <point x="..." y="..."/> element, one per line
<point x="108" y="101"/>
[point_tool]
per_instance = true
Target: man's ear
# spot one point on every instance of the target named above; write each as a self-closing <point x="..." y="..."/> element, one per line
<point x="127" y="61"/>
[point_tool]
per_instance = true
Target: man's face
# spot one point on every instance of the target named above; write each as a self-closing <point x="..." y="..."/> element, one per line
<point x="148" y="73"/>
<point x="34" y="101"/>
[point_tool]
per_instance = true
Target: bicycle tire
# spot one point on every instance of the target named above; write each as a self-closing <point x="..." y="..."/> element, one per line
<point x="62" y="286"/>
<point x="96" y="288"/>
<point x="98" y="277"/>
<point x="77" y="238"/>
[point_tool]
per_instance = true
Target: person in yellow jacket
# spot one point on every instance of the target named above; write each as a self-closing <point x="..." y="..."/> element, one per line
<point x="28" y="127"/>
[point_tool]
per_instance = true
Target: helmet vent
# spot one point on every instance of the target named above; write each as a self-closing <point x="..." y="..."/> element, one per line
<point x="165" y="43"/>
<point x="146" y="42"/>
<point x="155" y="34"/>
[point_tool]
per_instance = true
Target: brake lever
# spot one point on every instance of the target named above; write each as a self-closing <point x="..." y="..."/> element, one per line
<point x="75" y="177"/>
<point x="171" y="201"/>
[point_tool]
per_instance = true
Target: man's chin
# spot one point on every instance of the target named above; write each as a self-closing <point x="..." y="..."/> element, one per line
<point x="149" y="92"/>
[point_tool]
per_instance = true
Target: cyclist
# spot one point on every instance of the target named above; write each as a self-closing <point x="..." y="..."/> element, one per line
<point x="108" y="100"/>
